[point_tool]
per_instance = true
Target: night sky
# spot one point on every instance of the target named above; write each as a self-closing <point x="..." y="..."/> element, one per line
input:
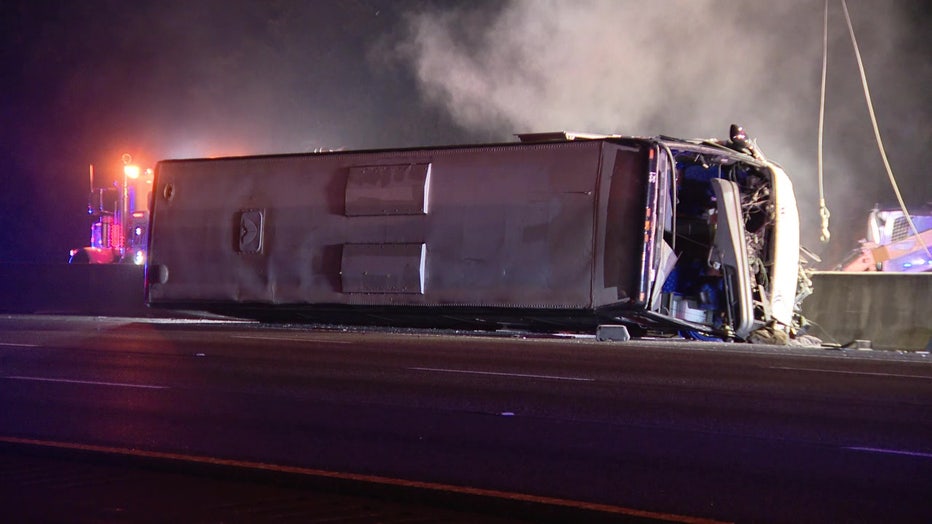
<point x="84" y="82"/>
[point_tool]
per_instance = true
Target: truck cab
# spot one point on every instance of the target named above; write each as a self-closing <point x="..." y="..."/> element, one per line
<point x="120" y="213"/>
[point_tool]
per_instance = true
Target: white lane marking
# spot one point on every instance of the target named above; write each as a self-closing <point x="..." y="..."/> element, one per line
<point x="194" y="321"/>
<point x="498" y="374"/>
<point x="88" y="382"/>
<point x="839" y="372"/>
<point x="15" y="345"/>
<point x="893" y="452"/>
<point x="292" y="339"/>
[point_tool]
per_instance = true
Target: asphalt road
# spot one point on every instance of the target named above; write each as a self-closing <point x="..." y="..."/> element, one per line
<point x="729" y="432"/>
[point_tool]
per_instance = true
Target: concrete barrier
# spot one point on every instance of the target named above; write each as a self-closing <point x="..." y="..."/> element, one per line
<point x="78" y="289"/>
<point x="892" y="310"/>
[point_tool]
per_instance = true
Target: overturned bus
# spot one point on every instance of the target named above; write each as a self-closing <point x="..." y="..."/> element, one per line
<point x="556" y="232"/>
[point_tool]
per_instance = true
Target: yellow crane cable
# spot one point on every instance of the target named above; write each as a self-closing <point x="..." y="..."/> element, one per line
<point x="883" y="154"/>
<point x="823" y="209"/>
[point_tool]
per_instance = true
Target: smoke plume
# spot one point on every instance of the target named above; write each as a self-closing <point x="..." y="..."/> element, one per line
<point x="85" y="82"/>
<point x="689" y="68"/>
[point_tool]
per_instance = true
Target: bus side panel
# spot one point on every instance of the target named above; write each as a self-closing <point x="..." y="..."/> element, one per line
<point x="488" y="226"/>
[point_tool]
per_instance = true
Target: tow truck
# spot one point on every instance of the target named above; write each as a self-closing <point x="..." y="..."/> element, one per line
<point x="890" y="246"/>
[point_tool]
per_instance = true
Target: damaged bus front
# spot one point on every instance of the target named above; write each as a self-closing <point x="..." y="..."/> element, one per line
<point x="722" y="240"/>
